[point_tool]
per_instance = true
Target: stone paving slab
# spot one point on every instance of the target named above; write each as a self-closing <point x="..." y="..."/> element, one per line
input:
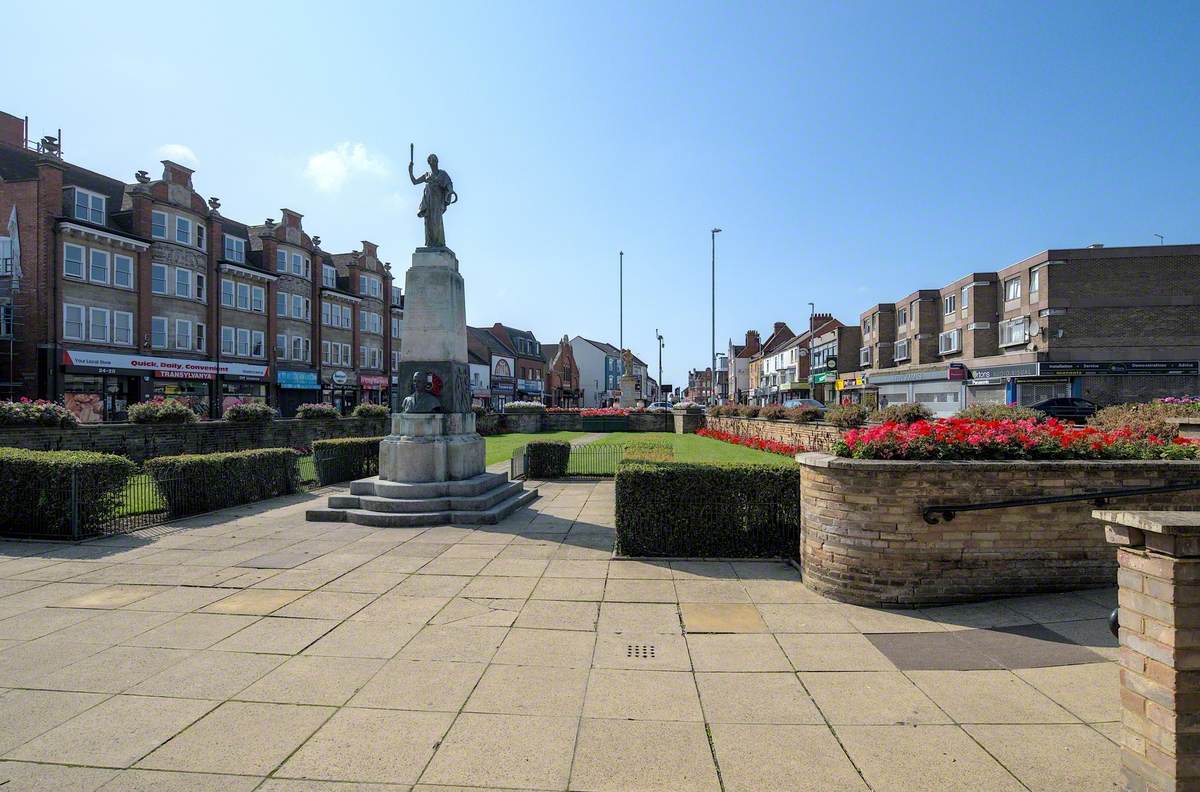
<point x="251" y="650"/>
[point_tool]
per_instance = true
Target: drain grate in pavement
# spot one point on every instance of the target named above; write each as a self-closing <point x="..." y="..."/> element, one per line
<point x="640" y="651"/>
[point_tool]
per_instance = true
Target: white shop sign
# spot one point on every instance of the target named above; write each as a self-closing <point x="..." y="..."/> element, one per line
<point x="114" y="362"/>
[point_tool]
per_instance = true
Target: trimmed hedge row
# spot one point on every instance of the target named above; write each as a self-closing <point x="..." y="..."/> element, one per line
<point x="346" y="459"/>
<point x="547" y="459"/>
<point x="197" y="483"/>
<point x="707" y="511"/>
<point x="36" y="495"/>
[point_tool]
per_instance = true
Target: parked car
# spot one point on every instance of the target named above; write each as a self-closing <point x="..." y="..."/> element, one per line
<point x="1067" y="409"/>
<point x="659" y="406"/>
<point x="813" y="403"/>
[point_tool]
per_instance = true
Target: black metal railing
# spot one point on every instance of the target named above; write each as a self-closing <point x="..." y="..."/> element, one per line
<point x="594" y="460"/>
<point x="1099" y="498"/>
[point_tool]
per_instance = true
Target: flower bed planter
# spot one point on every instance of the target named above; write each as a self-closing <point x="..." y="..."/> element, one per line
<point x="605" y="423"/>
<point x="864" y="539"/>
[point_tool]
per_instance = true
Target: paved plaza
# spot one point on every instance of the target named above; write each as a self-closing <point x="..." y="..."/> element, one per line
<point x="251" y="650"/>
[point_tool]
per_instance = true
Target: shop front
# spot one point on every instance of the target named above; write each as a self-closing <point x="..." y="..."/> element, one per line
<point x="99" y="385"/>
<point x="340" y="388"/>
<point x="853" y="389"/>
<point x="821" y="384"/>
<point x="295" y="388"/>
<point x="941" y="390"/>
<point x="374" y="388"/>
<point x="1114" y="381"/>
<point x="529" y="390"/>
<point x="503" y="390"/>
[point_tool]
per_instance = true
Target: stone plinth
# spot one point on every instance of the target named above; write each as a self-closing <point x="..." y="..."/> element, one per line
<point x="431" y="447"/>
<point x="688" y="421"/>
<point x="1159" y="596"/>
<point x="435" y="327"/>
<point x="629" y="392"/>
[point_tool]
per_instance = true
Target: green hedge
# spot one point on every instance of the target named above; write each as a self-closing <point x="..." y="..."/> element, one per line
<point x="196" y="483"/>
<point x="35" y="498"/>
<point x="346" y="459"/>
<point x="688" y="510"/>
<point x="547" y="459"/>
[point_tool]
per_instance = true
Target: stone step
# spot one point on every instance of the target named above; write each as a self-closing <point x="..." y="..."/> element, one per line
<point x="488" y="516"/>
<point x="430" y="505"/>
<point x="465" y="488"/>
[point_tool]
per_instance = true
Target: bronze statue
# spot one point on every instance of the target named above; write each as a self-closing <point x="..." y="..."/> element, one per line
<point x="421" y="400"/>
<point x="439" y="194"/>
<point x="627" y="362"/>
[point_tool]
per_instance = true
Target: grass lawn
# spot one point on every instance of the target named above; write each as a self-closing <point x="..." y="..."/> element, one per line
<point x="693" y="448"/>
<point x="500" y="447"/>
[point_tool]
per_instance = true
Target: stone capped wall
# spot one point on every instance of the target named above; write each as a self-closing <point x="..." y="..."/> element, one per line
<point x="145" y="441"/>
<point x="863" y="538"/>
<point x="813" y="436"/>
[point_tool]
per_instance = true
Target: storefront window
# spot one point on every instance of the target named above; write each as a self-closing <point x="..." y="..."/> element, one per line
<point x="96" y="398"/>
<point x="193" y="393"/>
<point x="233" y="393"/>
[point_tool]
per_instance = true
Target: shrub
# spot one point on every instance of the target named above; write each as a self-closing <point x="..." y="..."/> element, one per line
<point x="250" y="412"/>
<point x="732" y="511"/>
<point x="1142" y="418"/>
<point x="903" y="413"/>
<point x="547" y="459"/>
<point x="649" y="451"/>
<point x="772" y="411"/>
<point x="161" y="411"/>
<point x="803" y="414"/>
<point x="196" y="483"/>
<point x="372" y="411"/>
<point x="757" y="443"/>
<point x="524" y="406"/>
<point x="846" y="416"/>
<point x="748" y="411"/>
<point x="1000" y="412"/>
<point x="36" y="413"/>
<point x="346" y="458"/>
<point x="35" y="498"/>
<point x="316" y="411"/>
<point x="958" y="438"/>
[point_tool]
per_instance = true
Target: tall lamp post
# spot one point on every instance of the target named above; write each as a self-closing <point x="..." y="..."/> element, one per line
<point x="712" y="383"/>
<point x="621" y="302"/>
<point x="658" y="335"/>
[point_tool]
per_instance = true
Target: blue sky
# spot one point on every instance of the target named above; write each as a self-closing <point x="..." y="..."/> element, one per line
<point x="852" y="152"/>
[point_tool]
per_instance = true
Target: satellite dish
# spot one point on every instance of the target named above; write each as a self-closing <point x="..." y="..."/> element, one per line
<point x="1034" y="327"/>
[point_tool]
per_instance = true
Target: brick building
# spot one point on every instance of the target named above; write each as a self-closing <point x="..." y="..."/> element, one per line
<point x="563" y="385"/>
<point x="1106" y="324"/>
<point x="114" y="292"/>
<point x="530" y="363"/>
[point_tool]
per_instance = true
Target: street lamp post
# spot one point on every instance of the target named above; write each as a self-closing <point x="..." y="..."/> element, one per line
<point x="621" y="302"/>
<point x="713" y="380"/>
<point x="660" y="349"/>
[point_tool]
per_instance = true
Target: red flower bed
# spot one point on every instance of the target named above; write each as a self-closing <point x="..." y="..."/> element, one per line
<point x="604" y="412"/>
<point x="562" y="410"/>
<point x="757" y="443"/>
<point x="963" y="438"/>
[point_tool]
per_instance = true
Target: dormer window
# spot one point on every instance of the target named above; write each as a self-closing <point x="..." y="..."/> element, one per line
<point x="89" y="206"/>
<point x="235" y="249"/>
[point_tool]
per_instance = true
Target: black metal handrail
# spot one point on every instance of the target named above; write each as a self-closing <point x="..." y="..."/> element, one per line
<point x="1101" y="498"/>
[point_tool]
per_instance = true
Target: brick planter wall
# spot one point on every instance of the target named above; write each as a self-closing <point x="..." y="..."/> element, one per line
<point x="863" y="539"/>
<point x="651" y="422"/>
<point x="813" y="436"/>
<point x="572" y="422"/>
<point x="522" y="422"/>
<point x="562" y="422"/>
<point x="144" y="441"/>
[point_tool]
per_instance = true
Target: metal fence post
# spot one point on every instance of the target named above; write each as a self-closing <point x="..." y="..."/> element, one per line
<point x="74" y="503"/>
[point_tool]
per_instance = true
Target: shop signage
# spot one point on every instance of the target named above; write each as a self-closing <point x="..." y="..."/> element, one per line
<point x="974" y="382"/>
<point x="849" y="382"/>
<point x="188" y="375"/>
<point x="339" y="377"/>
<point x="1118" y="368"/>
<point x="503" y="383"/>
<point x="831" y="362"/>
<point x="297" y="380"/>
<point x="372" y="381"/>
<point x="824" y="376"/>
<point x="1002" y="372"/>
<point x="956" y="372"/>
<point x="110" y="363"/>
<point x="529" y="386"/>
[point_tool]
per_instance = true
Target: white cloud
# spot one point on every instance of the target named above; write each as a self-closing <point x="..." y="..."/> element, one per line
<point x="177" y="152"/>
<point x="330" y="170"/>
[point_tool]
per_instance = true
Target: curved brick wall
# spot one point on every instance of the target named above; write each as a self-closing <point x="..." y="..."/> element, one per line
<point x="863" y="539"/>
<point x="814" y="436"/>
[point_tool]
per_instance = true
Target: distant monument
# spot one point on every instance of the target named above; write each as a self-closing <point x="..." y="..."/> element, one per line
<point x="431" y="466"/>
<point x="628" y="384"/>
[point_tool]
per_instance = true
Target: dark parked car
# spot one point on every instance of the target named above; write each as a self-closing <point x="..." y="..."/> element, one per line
<point x="813" y="403"/>
<point x="1067" y="409"/>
